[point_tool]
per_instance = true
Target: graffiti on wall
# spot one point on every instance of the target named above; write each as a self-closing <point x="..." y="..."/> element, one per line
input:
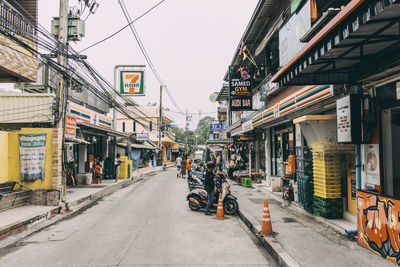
<point x="378" y="225"/>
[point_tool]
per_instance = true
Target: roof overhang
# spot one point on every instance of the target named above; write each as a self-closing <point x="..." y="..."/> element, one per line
<point x="347" y="49"/>
<point x="95" y="129"/>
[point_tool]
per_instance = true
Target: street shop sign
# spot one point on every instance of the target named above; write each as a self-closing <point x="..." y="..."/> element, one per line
<point x="216" y="127"/>
<point x="132" y="82"/>
<point x="240" y="88"/>
<point x="70" y="126"/>
<point x="142" y="136"/>
<point x="32" y="151"/>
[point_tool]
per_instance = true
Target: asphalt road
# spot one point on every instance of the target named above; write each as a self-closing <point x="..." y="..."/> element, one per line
<point x="146" y="224"/>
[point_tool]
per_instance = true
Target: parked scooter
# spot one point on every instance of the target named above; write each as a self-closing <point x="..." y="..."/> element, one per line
<point x="197" y="198"/>
<point x="195" y="180"/>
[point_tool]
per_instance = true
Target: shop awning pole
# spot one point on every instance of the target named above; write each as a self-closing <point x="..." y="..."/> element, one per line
<point x="358" y="151"/>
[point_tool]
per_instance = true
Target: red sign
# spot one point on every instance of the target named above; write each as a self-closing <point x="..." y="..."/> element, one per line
<point x="70" y="126"/>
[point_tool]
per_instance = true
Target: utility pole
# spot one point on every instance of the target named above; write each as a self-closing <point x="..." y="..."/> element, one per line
<point x="160" y="120"/>
<point x="61" y="99"/>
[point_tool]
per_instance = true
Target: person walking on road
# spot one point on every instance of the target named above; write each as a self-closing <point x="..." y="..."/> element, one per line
<point x="183" y="168"/>
<point x="178" y="165"/>
<point x="209" y="184"/>
<point x="117" y="164"/>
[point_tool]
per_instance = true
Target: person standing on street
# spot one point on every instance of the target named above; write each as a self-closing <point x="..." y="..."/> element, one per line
<point x="183" y="168"/>
<point x="178" y="165"/>
<point x="209" y="184"/>
<point x="117" y="164"/>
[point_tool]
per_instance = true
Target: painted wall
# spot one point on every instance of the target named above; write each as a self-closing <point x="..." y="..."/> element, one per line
<point x="14" y="160"/>
<point x="378" y="225"/>
<point x="3" y="157"/>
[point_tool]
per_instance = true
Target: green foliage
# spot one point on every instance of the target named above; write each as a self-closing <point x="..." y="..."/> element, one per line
<point x="202" y="130"/>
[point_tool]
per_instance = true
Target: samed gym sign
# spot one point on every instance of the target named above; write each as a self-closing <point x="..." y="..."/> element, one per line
<point x="131" y="82"/>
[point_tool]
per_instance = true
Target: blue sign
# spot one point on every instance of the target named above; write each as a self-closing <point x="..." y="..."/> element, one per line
<point x="216" y="127"/>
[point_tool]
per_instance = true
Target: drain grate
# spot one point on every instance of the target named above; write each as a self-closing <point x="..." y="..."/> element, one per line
<point x="288" y="220"/>
<point x="261" y="201"/>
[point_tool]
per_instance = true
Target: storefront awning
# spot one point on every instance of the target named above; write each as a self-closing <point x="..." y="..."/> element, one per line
<point x="77" y="140"/>
<point x="347" y="48"/>
<point x="145" y="145"/>
<point x="220" y="141"/>
<point x="100" y="130"/>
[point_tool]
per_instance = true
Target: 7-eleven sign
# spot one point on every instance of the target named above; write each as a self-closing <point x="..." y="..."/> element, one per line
<point x="131" y="82"/>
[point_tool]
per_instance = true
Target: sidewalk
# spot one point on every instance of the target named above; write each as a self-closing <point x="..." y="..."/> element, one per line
<point x="301" y="240"/>
<point x="19" y="222"/>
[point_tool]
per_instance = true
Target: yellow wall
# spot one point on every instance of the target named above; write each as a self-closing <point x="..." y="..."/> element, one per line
<point x="14" y="161"/>
<point x="3" y="157"/>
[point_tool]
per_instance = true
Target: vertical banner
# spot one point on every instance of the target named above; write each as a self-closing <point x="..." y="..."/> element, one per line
<point x="32" y="151"/>
<point x="70" y="126"/>
<point x="240" y="94"/>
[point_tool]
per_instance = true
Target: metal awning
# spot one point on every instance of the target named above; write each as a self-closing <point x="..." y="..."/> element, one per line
<point x="223" y="94"/>
<point x="219" y="141"/>
<point x="77" y="140"/>
<point x="361" y="40"/>
<point x="101" y="130"/>
<point x="138" y="146"/>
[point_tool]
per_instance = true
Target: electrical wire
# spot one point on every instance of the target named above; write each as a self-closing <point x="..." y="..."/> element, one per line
<point x="144" y="52"/>
<point x="123" y="28"/>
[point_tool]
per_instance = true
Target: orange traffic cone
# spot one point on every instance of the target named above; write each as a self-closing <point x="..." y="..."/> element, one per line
<point x="220" y="209"/>
<point x="266" y="228"/>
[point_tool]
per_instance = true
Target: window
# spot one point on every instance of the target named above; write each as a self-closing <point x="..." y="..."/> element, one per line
<point x="123" y="127"/>
<point x="134" y="126"/>
<point x="151" y="126"/>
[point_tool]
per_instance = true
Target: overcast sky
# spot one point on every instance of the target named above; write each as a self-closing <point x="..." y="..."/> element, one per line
<point x="190" y="42"/>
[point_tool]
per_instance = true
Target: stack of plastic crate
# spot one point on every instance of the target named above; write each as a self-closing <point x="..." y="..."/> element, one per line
<point x="108" y="170"/>
<point x="327" y="201"/>
<point x="304" y="173"/>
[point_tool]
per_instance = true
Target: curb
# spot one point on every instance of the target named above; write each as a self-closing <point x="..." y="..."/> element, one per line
<point x="21" y="230"/>
<point x="278" y="253"/>
<point x="296" y="208"/>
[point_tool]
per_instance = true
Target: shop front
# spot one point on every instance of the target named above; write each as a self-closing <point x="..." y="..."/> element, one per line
<point x="360" y="47"/>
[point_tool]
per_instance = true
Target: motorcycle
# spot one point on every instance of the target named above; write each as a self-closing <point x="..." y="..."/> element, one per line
<point x="197" y="197"/>
<point x="195" y="180"/>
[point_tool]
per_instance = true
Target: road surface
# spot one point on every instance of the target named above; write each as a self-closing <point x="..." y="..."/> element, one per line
<point x="146" y="224"/>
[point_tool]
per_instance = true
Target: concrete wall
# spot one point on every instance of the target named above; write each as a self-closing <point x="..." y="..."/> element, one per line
<point x="14" y="170"/>
<point x="3" y="157"/>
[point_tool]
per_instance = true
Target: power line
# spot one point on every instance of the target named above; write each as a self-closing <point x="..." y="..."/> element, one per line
<point x="123" y="28"/>
<point x="145" y="54"/>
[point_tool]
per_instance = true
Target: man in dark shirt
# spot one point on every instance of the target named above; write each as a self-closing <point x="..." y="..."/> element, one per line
<point x="209" y="184"/>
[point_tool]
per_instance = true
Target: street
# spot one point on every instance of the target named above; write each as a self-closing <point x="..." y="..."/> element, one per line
<point x="145" y="224"/>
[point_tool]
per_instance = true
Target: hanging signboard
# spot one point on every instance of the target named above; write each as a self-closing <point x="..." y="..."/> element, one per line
<point x="131" y="82"/>
<point x="32" y="151"/>
<point x="240" y="93"/>
<point x="142" y="136"/>
<point x="348" y="110"/>
<point x="70" y="126"/>
<point x="216" y="127"/>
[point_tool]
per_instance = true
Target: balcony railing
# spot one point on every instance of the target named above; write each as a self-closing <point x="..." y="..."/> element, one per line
<point x="13" y="22"/>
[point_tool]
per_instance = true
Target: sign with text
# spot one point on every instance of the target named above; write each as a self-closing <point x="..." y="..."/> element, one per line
<point x="70" y="126"/>
<point x="131" y="82"/>
<point x="348" y="110"/>
<point x="32" y="151"/>
<point x="142" y="136"/>
<point x="240" y="93"/>
<point x="216" y="127"/>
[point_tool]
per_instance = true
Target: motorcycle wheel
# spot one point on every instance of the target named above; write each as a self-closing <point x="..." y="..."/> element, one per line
<point x="193" y="206"/>
<point x="231" y="207"/>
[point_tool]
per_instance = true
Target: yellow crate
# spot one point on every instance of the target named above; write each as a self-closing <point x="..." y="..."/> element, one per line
<point x="326" y="179"/>
<point x="328" y="195"/>
<point x="321" y="182"/>
<point x="327" y="189"/>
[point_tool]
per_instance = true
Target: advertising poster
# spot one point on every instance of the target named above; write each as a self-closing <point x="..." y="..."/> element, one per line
<point x="32" y="151"/>
<point x="372" y="164"/>
<point x="70" y="126"/>
<point x="131" y="82"/>
<point x="343" y="119"/>
<point x="240" y="91"/>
